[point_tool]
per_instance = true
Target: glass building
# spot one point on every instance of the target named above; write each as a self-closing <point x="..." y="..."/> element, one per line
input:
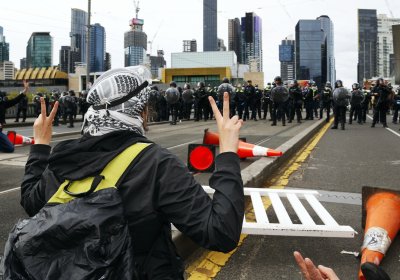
<point x="39" y="52"/>
<point x="385" y="44"/>
<point x="4" y="47"/>
<point x="396" y="55"/>
<point x="210" y="40"/>
<point x="328" y="28"/>
<point x="79" y="20"/>
<point x="235" y="38"/>
<point x="287" y="59"/>
<point x="251" y="40"/>
<point x="135" y="43"/>
<point x="311" y="56"/>
<point x="367" y="44"/>
<point x="97" y="48"/>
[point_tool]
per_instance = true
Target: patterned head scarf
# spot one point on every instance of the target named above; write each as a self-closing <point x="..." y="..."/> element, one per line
<point x="113" y="85"/>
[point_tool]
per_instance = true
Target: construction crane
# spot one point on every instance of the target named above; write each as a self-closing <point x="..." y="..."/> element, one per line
<point x="137" y="9"/>
<point x="154" y="37"/>
<point x="390" y="10"/>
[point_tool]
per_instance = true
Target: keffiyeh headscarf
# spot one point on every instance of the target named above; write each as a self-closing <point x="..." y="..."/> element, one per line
<point x="113" y="85"/>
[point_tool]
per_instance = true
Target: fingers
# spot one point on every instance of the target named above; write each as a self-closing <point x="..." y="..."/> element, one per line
<point x="214" y="107"/>
<point x="328" y="272"/>
<point x="53" y="111"/>
<point x="43" y="108"/>
<point x="301" y="263"/>
<point x="312" y="270"/>
<point x="226" y="107"/>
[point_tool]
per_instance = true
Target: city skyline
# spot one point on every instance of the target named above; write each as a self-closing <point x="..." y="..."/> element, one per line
<point x="169" y="32"/>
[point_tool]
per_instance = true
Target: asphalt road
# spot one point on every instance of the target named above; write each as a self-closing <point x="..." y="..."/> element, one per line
<point x="175" y="138"/>
<point x="342" y="161"/>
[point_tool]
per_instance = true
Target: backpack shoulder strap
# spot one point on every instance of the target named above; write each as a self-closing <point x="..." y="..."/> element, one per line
<point x="110" y="176"/>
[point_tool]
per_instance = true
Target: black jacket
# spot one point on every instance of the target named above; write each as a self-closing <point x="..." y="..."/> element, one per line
<point x="157" y="190"/>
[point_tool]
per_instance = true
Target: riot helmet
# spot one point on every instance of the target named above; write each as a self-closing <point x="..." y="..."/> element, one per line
<point x="278" y="80"/>
<point x="338" y="84"/>
<point x="225" y="80"/>
<point x="355" y="86"/>
<point x="328" y="84"/>
<point x="172" y="84"/>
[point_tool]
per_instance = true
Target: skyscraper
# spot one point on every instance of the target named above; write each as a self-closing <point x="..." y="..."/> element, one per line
<point x="251" y="40"/>
<point x="396" y="49"/>
<point x="327" y="27"/>
<point x="135" y="43"/>
<point x="385" y="44"/>
<point x="235" y="38"/>
<point x="287" y="59"/>
<point x="107" y="62"/>
<point x="210" y="39"/>
<point x="78" y="33"/>
<point x="311" y="52"/>
<point x="68" y="59"/>
<point x="221" y="45"/>
<point x="39" y="52"/>
<point x="367" y="43"/>
<point x="4" y="47"/>
<point x="97" y="48"/>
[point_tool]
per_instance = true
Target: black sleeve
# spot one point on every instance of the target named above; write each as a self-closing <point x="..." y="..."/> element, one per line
<point x="14" y="101"/>
<point x="34" y="183"/>
<point x="215" y="223"/>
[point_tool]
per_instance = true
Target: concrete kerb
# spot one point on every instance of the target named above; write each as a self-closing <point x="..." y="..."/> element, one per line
<point x="256" y="174"/>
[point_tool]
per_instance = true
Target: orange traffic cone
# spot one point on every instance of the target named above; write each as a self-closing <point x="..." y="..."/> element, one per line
<point x="381" y="213"/>
<point x="250" y="150"/>
<point x="210" y="138"/>
<point x="244" y="150"/>
<point x="18" y="139"/>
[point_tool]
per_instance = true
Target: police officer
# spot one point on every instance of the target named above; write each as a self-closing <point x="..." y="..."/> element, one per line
<point x="297" y="97"/>
<point x="266" y="101"/>
<point x="279" y="97"/>
<point x="308" y="95"/>
<point x="201" y="99"/>
<point x="187" y="97"/>
<point x="326" y="101"/>
<point x="340" y="102"/>
<point x="396" y="106"/>
<point x="365" y="104"/>
<point x="251" y="97"/>
<point x="382" y="96"/>
<point x="172" y="96"/>
<point x="316" y="98"/>
<point x="22" y="107"/>
<point x="70" y="105"/>
<point x="241" y="101"/>
<point x="357" y="97"/>
<point x="226" y="87"/>
<point x="258" y="97"/>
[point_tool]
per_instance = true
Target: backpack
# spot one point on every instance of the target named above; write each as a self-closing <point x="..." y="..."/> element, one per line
<point x="81" y="232"/>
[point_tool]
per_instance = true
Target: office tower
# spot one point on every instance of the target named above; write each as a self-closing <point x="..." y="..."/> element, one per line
<point x="7" y="70"/>
<point x="311" y="54"/>
<point x="39" y="52"/>
<point x="396" y="50"/>
<point x="135" y="43"/>
<point x="385" y="44"/>
<point x="107" y="61"/>
<point x="4" y="47"/>
<point x="221" y="45"/>
<point x="287" y="59"/>
<point x="210" y="39"/>
<point x="157" y="62"/>
<point x="190" y="45"/>
<point x="367" y="43"/>
<point x="78" y="34"/>
<point x="328" y="28"/>
<point x="97" y="48"/>
<point x="251" y="49"/>
<point x="235" y="38"/>
<point x="22" y="63"/>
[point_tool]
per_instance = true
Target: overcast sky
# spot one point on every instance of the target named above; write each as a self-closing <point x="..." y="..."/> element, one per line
<point x="167" y="23"/>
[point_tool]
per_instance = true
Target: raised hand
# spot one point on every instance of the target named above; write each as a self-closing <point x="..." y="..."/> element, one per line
<point x="26" y="86"/>
<point x="43" y="126"/>
<point x="228" y="127"/>
<point x="311" y="272"/>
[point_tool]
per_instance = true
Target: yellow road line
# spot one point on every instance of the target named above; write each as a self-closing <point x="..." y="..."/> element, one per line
<point x="210" y="264"/>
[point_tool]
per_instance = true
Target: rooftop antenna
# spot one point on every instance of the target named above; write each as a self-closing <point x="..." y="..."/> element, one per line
<point x="136" y="3"/>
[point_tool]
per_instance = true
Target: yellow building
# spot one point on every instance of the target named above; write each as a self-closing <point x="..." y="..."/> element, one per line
<point x="209" y="75"/>
<point x="49" y="73"/>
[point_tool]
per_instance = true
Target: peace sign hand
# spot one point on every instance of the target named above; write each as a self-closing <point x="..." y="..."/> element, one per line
<point x="43" y="126"/>
<point x="228" y="127"/>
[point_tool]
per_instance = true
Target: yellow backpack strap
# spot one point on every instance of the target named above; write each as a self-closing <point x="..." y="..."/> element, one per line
<point x="111" y="173"/>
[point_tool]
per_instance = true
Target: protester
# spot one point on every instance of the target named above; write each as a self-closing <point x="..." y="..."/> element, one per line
<point x="157" y="189"/>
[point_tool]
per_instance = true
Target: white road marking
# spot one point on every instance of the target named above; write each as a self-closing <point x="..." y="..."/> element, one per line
<point x="391" y="130"/>
<point x="10" y="190"/>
